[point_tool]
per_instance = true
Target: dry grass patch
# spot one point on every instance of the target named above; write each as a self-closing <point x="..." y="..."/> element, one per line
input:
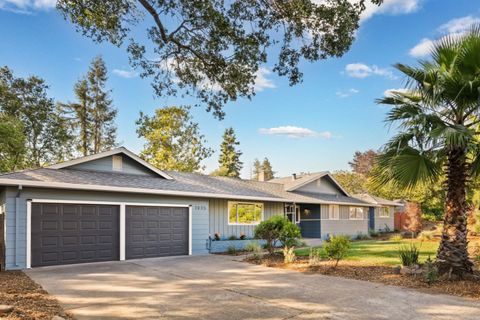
<point x="28" y="298"/>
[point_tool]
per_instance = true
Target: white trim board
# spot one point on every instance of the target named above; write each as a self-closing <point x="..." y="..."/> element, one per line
<point x="122" y="221"/>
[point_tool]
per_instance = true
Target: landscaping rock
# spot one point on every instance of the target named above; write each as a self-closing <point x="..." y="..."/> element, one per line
<point x="415" y="270"/>
<point x="4" y="309"/>
<point x="397" y="270"/>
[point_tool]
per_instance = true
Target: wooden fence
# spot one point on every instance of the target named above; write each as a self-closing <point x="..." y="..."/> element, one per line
<point x="400" y="221"/>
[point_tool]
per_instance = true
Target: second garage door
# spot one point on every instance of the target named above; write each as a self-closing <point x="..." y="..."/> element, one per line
<point x="156" y="231"/>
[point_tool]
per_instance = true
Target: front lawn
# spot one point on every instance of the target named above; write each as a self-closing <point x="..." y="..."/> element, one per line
<point x="381" y="252"/>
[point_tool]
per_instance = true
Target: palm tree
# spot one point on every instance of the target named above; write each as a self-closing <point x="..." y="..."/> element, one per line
<point x="438" y="139"/>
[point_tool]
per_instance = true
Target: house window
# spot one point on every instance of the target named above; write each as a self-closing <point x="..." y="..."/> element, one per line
<point x="356" y="213"/>
<point x="117" y="163"/>
<point x="334" y="212"/>
<point x="244" y="213"/>
<point x="384" y="212"/>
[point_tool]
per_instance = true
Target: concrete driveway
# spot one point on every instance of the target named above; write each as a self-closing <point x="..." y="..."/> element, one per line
<point x="217" y="287"/>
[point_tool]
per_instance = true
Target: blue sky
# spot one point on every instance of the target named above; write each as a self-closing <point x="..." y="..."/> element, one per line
<point x="314" y="126"/>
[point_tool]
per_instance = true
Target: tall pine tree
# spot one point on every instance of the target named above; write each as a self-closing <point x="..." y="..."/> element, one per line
<point x="104" y="130"/>
<point x="230" y="164"/>
<point x="267" y="169"/>
<point x="257" y="168"/>
<point x="93" y="116"/>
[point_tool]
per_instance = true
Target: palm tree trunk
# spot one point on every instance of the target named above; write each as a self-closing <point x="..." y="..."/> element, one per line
<point x="452" y="256"/>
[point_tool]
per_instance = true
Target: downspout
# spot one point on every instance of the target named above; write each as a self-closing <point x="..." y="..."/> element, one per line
<point x="17" y="224"/>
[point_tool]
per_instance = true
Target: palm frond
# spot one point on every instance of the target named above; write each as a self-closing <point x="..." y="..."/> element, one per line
<point x="406" y="168"/>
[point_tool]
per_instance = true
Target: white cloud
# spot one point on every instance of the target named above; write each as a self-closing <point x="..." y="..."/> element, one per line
<point x="295" y="132"/>
<point x="390" y="7"/>
<point x="422" y="49"/>
<point x="125" y="73"/>
<point x="459" y="25"/>
<point x="390" y="92"/>
<point x="346" y="93"/>
<point x="261" y="80"/>
<point x="360" y="70"/>
<point x="453" y="28"/>
<point x="26" y="6"/>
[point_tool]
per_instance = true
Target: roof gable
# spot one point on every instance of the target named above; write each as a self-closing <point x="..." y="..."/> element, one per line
<point x="84" y="162"/>
<point x="303" y="181"/>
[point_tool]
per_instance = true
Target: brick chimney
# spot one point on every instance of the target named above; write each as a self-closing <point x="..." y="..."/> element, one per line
<point x="261" y="176"/>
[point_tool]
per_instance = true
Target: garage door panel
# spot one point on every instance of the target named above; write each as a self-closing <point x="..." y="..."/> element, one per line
<point x="74" y="233"/>
<point x="156" y="231"/>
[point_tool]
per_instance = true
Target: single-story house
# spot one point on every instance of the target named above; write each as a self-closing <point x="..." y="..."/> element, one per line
<point x="116" y="206"/>
<point x="382" y="213"/>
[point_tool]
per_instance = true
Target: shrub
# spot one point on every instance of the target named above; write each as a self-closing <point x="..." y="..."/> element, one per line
<point x="476" y="253"/>
<point x="232" y="237"/>
<point x="315" y="256"/>
<point x="254" y="248"/>
<point x="243" y="236"/>
<point x="373" y="233"/>
<point x="270" y="230"/>
<point x="289" y="236"/>
<point x="337" y="248"/>
<point x="362" y="236"/>
<point x="409" y="255"/>
<point x="425" y="235"/>
<point x="288" y="254"/>
<point x="431" y="271"/>
<point x="396" y="238"/>
<point x="232" y="250"/>
<point x="217" y="236"/>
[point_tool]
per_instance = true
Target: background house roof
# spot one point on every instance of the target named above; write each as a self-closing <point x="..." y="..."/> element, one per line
<point x="377" y="200"/>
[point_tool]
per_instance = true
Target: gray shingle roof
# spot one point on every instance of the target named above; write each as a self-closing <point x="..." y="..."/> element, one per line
<point x="376" y="200"/>
<point x="181" y="182"/>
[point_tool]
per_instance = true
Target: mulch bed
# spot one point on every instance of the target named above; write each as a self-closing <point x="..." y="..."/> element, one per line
<point x="376" y="273"/>
<point x="28" y="298"/>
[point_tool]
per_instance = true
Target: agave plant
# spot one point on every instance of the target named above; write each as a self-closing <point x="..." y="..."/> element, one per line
<point x="438" y="121"/>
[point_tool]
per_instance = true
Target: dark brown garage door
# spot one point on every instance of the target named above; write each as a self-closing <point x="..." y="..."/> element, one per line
<point x="74" y="233"/>
<point x="156" y="231"/>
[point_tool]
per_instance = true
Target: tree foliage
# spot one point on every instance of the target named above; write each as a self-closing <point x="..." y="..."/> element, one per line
<point x="12" y="144"/>
<point x="92" y="116"/>
<point x="173" y="140"/>
<point x="352" y="182"/>
<point x="214" y="49"/>
<point x="46" y="132"/>
<point x="257" y="168"/>
<point x="229" y="160"/>
<point x="363" y="162"/>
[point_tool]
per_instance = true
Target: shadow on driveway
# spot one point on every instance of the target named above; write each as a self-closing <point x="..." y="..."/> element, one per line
<point x="217" y="287"/>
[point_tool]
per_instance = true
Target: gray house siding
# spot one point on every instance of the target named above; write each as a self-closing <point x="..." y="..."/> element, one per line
<point x="16" y="226"/>
<point x="381" y="223"/>
<point x="343" y="226"/>
<point x="219" y="218"/>
<point x="129" y="166"/>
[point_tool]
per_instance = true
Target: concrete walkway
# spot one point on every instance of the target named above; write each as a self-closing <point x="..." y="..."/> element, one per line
<point x="217" y="287"/>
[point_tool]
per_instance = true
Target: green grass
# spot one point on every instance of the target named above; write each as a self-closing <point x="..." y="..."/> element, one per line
<point x="381" y="252"/>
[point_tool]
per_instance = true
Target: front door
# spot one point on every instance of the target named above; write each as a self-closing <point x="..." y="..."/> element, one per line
<point x="310" y="220"/>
